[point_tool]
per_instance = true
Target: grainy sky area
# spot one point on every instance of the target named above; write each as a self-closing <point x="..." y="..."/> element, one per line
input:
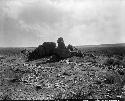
<point x="80" y="22"/>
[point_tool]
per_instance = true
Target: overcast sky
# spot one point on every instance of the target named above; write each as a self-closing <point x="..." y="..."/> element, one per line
<point x="79" y="22"/>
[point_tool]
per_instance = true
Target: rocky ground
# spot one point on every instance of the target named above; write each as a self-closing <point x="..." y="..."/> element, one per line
<point x="72" y="78"/>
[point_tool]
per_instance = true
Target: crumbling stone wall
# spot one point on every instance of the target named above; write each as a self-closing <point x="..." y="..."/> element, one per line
<point x="46" y="49"/>
<point x="61" y="44"/>
<point x="50" y="49"/>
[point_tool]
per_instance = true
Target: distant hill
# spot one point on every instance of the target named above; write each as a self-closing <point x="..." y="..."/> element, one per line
<point x="106" y="49"/>
<point x="113" y="45"/>
<point x="103" y="45"/>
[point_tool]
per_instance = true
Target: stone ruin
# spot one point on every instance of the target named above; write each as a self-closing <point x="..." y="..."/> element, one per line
<point x="61" y="51"/>
<point x="44" y="50"/>
<point x="50" y="49"/>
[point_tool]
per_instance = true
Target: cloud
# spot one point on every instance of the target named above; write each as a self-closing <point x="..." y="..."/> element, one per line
<point x="41" y="13"/>
<point x="78" y="21"/>
<point x="14" y="35"/>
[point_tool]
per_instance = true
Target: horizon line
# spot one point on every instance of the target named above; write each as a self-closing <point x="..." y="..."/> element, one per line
<point x="66" y="45"/>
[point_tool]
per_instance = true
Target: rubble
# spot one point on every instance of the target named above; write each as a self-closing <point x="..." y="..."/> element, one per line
<point x="50" y="49"/>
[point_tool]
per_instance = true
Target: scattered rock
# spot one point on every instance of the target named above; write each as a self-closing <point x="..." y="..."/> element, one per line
<point x="38" y="88"/>
<point x="108" y="62"/>
<point x="97" y="82"/>
<point x="121" y="72"/>
<point x="109" y="80"/>
<point x="6" y="97"/>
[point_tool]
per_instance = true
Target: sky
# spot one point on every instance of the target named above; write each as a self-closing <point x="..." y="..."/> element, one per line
<point x="29" y="23"/>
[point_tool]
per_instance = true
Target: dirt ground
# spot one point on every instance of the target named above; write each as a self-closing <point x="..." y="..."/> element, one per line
<point x="72" y="78"/>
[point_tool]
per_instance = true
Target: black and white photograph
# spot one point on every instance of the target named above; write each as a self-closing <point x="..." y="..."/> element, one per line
<point x="62" y="50"/>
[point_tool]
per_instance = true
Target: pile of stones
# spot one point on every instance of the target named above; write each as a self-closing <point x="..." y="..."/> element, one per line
<point x="50" y="49"/>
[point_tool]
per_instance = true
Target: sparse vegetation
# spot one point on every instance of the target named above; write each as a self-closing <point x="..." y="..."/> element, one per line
<point x="92" y="76"/>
